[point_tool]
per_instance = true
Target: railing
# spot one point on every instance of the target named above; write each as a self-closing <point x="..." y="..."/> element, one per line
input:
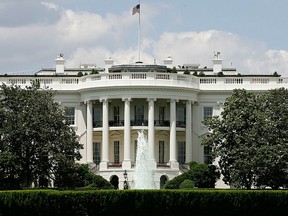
<point x="158" y="123"/>
<point x="150" y="79"/>
<point x="97" y="124"/>
<point x="163" y="123"/>
<point x="181" y="124"/>
<point x="116" y="123"/>
<point x="139" y="123"/>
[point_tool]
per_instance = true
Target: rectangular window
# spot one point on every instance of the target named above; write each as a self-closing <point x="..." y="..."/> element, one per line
<point x="116" y="152"/>
<point x="139" y="114"/>
<point x="97" y="117"/>
<point x="116" y="116"/>
<point x="70" y="114"/>
<point x="207" y="112"/>
<point x="161" y="115"/>
<point x="181" y="152"/>
<point x="96" y="152"/>
<point x="161" y="152"/>
<point x="207" y="155"/>
<point x="181" y="116"/>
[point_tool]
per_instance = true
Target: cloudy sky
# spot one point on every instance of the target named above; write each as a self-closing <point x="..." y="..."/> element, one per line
<point x="252" y="35"/>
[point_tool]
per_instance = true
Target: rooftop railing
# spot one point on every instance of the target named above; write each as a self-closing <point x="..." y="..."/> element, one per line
<point x="150" y="79"/>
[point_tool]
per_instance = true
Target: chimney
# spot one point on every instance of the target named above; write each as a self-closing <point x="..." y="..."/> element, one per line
<point x="168" y="62"/>
<point x="60" y="62"/>
<point x="108" y="63"/>
<point x="217" y="63"/>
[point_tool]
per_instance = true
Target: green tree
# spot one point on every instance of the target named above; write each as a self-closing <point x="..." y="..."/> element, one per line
<point x="187" y="72"/>
<point x="271" y="159"/>
<point x="94" y="71"/>
<point x="203" y="176"/>
<point x="251" y="139"/>
<point x="187" y="184"/>
<point x="35" y="137"/>
<point x="174" y="70"/>
<point x="74" y="175"/>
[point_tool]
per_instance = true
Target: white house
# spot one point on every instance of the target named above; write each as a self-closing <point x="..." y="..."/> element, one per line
<point x="108" y="106"/>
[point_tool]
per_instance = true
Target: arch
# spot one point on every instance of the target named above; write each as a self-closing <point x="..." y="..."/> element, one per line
<point x="163" y="180"/>
<point x="114" y="180"/>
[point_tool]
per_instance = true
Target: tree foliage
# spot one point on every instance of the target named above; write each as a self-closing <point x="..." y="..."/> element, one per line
<point x="79" y="176"/>
<point x="35" y="137"/>
<point x="187" y="184"/>
<point x="251" y="139"/>
<point x="202" y="175"/>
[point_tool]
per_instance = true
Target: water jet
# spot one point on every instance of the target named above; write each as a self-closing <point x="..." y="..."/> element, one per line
<point x="144" y="174"/>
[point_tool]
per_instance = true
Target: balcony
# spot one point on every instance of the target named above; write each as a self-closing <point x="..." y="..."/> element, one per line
<point x="69" y="83"/>
<point x="139" y="123"/>
<point x="157" y="123"/>
<point x="181" y="124"/>
<point x="118" y="123"/>
<point x="97" y="124"/>
<point x="162" y="123"/>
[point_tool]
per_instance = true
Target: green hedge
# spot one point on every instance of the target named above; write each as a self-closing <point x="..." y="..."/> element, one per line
<point x="144" y="202"/>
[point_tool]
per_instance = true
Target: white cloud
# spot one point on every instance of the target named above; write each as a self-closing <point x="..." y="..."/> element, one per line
<point x="198" y="47"/>
<point x="86" y="37"/>
<point x="50" y="5"/>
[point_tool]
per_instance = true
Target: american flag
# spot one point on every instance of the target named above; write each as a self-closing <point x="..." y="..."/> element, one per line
<point x="136" y="9"/>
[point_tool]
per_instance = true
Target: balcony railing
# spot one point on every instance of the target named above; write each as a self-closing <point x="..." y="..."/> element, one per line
<point x="116" y="123"/>
<point x="149" y="79"/>
<point x="139" y="123"/>
<point x="181" y="124"/>
<point x="97" y="124"/>
<point x="157" y="123"/>
<point x="162" y="123"/>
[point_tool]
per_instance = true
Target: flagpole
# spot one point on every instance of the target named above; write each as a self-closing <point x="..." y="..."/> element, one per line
<point x="139" y="34"/>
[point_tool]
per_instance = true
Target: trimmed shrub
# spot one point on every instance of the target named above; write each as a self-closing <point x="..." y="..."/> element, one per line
<point x="144" y="202"/>
<point x="187" y="184"/>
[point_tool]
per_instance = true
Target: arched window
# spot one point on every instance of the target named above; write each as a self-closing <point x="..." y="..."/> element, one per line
<point x="163" y="180"/>
<point x="115" y="181"/>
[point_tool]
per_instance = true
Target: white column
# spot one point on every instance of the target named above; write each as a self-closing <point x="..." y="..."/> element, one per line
<point x="173" y="147"/>
<point x="188" y="132"/>
<point x="89" y="140"/>
<point x="105" y="135"/>
<point x="151" y="132"/>
<point x="126" y="164"/>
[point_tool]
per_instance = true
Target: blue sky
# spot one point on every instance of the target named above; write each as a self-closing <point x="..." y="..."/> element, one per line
<point x="250" y="34"/>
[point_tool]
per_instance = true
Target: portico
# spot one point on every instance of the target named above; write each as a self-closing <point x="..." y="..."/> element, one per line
<point x="126" y="115"/>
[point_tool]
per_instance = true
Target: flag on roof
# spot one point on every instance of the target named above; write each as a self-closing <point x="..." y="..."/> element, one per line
<point x="136" y="9"/>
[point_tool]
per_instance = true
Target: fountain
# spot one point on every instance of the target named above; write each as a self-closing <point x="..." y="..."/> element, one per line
<point x="143" y="176"/>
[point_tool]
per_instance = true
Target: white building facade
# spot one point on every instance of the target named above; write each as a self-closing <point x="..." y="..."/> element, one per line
<point x="108" y="106"/>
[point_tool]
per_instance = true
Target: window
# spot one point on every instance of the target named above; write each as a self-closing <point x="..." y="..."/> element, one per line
<point x="97" y="117"/>
<point x="116" y="152"/>
<point x="161" y="114"/>
<point x="161" y="152"/>
<point x="139" y="114"/>
<point x="96" y="152"/>
<point x="207" y="112"/>
<point x="181" y="152"/>
<point x="181" y="116"/>
<point x="207" y="155"/>
<point x="70" y="115"/>
<point x="116" y="115"/>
